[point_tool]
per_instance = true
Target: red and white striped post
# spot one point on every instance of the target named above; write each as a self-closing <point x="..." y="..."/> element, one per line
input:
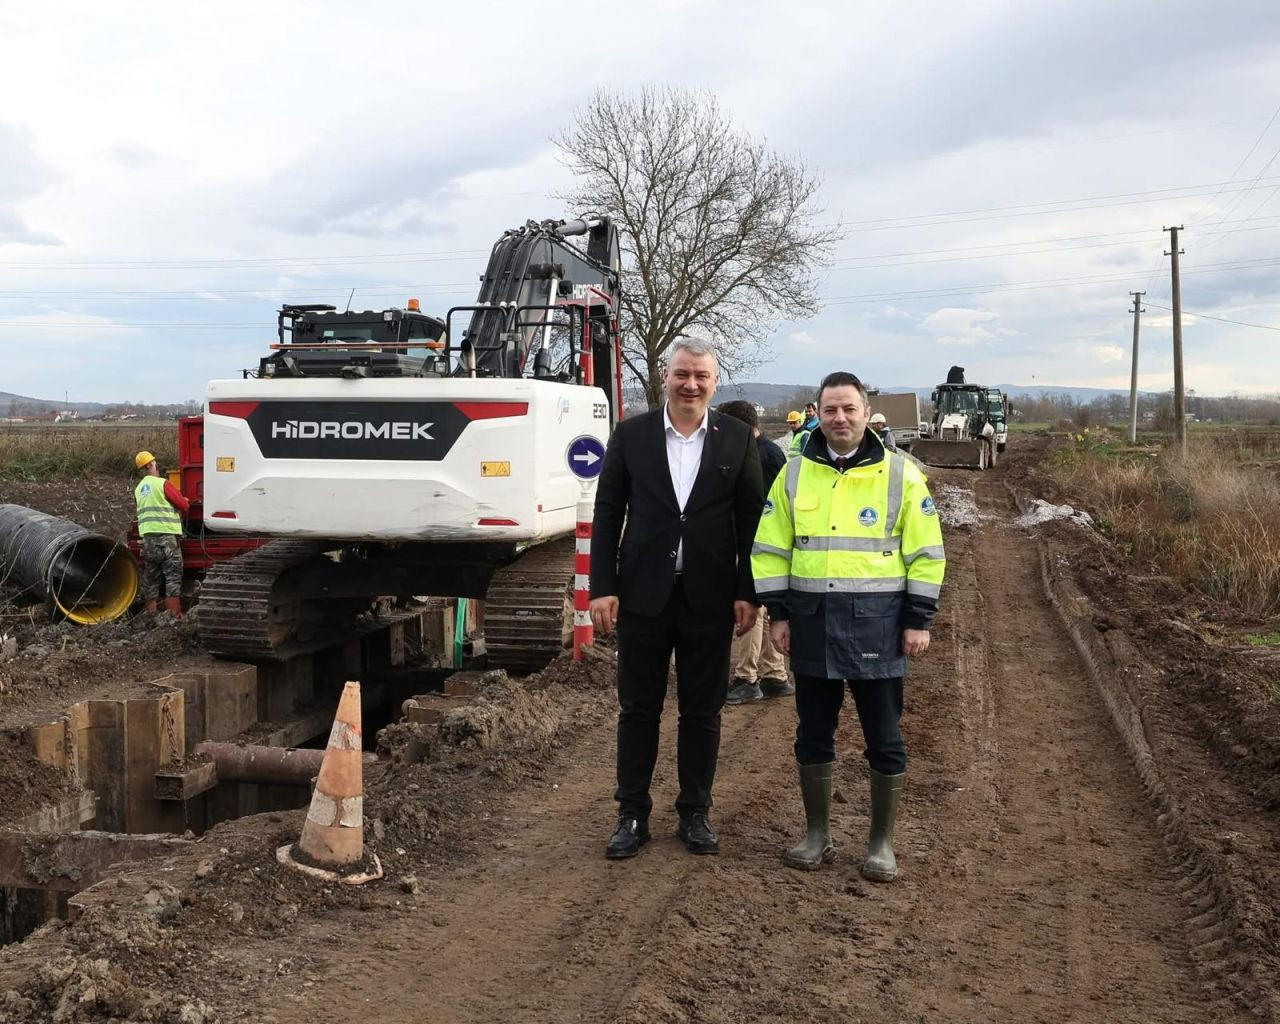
<point x="583" y="634"/>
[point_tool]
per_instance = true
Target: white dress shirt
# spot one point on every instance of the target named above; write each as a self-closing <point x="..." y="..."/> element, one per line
<point x="684" y="457"/>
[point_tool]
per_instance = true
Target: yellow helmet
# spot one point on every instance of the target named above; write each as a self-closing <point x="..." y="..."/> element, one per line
<point x="143" y="459"/>
<point x="794" y="417"/>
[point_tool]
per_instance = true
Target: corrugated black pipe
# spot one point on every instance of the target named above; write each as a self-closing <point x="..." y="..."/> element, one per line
<point x="86" y="577"/>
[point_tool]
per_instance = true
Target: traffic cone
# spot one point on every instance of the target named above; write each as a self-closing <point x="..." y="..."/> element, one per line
<point x="331" y="846"/>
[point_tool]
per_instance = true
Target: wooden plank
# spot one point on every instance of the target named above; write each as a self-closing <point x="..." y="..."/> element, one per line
<point x="49" y="742"/>
<point x="103" y="738"/>
<point x="395" y="643"/>
<point x="71" y="861"/>
<point x="155" y="728"/>
<point x="65" y="815"/>
<point x="231" y="702"/>
<point x="192" y="685"/>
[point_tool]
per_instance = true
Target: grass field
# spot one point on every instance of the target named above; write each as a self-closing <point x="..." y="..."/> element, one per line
<point x="45" y="451"/>
<point x="1211" y="520"/>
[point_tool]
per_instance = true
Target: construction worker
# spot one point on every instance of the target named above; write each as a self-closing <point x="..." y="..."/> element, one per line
<point x="757" y="669"/>
<point x="161" y="507"/>
<point x="800" y="434"/>
<point x="881" y="426"/>
<point x="848" y="560"/>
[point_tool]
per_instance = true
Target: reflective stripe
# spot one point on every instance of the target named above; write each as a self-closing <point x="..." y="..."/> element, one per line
<point x="873" y="585"/>
<point x="759" y="548"/>
<point x="793" y="482"/>
<point x="772" y="584"/>
<point x="873" y="544"/>
<point x="933" y="551"/>
<point x="894" y="506"/>
<point x="155" y="515"/>
<point x="922" y="589"/>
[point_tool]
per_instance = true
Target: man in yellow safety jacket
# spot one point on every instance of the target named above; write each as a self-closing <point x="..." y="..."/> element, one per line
<point x="848" y="560"/>
<point x="161" y="507"/>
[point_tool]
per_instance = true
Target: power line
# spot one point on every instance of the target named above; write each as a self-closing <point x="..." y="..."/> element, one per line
<point x="1243" y="161"/>
<point x="1210" y="316"/>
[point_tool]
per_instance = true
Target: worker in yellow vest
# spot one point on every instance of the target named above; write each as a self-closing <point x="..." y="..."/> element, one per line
<point x="848" y="560"/>
<point x="161" y="507"/>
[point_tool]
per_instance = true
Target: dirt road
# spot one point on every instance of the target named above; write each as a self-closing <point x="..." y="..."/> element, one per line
<point x="1036" y="886"/>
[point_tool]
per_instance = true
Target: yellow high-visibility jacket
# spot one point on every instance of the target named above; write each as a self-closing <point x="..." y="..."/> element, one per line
<point x="851" y="559"/>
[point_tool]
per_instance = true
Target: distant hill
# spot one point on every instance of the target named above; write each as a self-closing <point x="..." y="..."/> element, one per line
<point x="776" y="394"/>
<point x="39" y="405"/>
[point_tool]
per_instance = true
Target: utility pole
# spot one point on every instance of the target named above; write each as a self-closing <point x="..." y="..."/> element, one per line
<point x="1133" y="377"/>
<point x="1179" y="394"/>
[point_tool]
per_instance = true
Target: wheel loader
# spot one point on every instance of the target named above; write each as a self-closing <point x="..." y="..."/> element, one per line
<point x="961" y="434"/>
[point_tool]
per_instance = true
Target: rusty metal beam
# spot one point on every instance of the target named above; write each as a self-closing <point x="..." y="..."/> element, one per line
<point x="271" y="766"/>
<point x="71" y="861"/>
<point x="187" y="783"/>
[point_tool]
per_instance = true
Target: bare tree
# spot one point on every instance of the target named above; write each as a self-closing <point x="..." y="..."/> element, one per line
<point x="719" y="234"/>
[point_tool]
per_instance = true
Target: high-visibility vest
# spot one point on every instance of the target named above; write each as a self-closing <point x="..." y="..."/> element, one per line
<point x="870" y="530"/>
<point x="155" y="514"/>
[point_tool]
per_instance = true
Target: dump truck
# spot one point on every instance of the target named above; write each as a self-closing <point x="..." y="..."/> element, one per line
<point x="902" y="413"/>
<point x="962" y="434"/>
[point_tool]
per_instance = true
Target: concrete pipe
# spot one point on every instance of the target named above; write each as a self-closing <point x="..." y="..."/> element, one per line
<point x="86" y="577"/>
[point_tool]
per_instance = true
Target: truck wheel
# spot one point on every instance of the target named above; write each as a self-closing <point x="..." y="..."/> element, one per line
<point x="1001" y="447"/>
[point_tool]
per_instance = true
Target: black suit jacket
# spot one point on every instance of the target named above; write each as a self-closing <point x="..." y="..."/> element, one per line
<point x="638" y="525"/>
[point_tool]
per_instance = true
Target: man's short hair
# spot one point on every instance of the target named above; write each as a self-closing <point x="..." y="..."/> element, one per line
<point x="842" y="379"/>
<point x="740" y="410"/>
<point x="694" y="346"/>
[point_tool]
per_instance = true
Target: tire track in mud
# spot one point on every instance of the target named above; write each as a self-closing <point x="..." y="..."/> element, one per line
<point x="1067" y="908"/>
<point x="1035" y="885"/>
<point x="1220" y="942"/>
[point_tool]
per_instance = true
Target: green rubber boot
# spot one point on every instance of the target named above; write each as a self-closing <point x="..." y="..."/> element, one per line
<point x="886" y="795"/>
<point x="816" y="848"/>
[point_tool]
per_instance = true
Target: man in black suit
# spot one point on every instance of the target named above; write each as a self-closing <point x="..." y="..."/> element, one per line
<point x="679" y="497"/>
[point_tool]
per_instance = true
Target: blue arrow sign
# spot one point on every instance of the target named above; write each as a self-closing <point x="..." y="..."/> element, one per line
<point x="585" y="456"/>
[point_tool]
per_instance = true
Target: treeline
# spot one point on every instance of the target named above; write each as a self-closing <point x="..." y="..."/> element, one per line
<point x="1156" y="410"/>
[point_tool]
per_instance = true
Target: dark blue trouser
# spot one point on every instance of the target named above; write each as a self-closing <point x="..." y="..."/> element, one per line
<point x="879" y="703"/>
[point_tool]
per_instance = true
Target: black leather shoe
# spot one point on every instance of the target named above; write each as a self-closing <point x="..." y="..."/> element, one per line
<point x="771" y="688"/>
<point x="697" y="834"/>
<point x="629" y="835"/>
<point x="742" y="692"/>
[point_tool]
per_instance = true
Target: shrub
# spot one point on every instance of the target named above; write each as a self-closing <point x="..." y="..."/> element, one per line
<point x="75" y="450"/>
<point x="1211" y="521"/>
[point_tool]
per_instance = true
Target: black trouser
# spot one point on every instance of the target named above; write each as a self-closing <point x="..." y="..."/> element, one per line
<point x="701" y="646"/>
<point x="879" y="702"/>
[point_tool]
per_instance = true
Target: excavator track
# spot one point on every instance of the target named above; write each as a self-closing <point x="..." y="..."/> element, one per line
<point x="528" y="609"/>
<point x="249" y="611"/>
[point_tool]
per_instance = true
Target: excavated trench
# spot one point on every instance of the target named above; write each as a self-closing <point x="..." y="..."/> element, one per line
<point x="139" y="776"/>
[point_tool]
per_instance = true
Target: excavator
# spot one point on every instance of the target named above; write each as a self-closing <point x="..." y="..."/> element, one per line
<point x="391" y="455"/>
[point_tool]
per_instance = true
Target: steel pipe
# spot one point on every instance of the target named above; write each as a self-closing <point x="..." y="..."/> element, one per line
<point x="86" y="577"/>
<point x="270" y="766"/>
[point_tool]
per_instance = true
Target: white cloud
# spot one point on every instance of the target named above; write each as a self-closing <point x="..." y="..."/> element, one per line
<point x="1105" y="353"/>
<point x="958" y="326"/>
<point x="274" y="183"/>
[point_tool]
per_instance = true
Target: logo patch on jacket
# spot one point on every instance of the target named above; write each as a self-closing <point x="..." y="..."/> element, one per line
<point x="868" y="516"/>
<point x="768" y="508"/>
<point x="927" y="507"/>
<point x="146" y="489"/>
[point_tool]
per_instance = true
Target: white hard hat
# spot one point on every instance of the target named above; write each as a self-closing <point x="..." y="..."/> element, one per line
<point x="878" y="417"/>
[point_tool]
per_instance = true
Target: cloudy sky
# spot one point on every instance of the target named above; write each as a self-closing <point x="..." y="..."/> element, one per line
<point x="169" y="173"/>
